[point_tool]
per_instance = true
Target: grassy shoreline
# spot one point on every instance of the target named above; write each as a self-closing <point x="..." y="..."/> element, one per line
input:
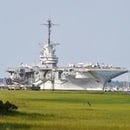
<point x="66" y="110"/>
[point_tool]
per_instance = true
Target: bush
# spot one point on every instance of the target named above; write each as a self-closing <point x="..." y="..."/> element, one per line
<point x="7" y="107"/>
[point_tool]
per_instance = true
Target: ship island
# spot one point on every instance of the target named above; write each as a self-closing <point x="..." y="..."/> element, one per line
<point x="47" y="75"/>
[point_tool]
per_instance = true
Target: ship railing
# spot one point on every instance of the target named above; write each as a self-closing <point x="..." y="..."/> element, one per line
<point x="75" y="68"/>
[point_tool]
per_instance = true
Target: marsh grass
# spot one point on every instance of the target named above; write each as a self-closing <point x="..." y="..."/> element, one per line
<point x="54" y="110"/>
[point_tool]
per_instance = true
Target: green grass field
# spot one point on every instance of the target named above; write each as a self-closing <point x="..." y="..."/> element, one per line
<point x="54" y="110"/>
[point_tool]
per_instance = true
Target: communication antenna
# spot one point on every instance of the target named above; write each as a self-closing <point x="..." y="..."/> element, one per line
<point x="49" y="25"/>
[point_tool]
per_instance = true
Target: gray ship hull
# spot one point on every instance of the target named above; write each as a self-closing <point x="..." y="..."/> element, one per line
<point x="48" y="76"/>
<point x="82" y="80"/>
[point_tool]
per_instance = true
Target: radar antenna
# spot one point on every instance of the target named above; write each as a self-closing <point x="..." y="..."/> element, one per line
<point x="49" y="25"/>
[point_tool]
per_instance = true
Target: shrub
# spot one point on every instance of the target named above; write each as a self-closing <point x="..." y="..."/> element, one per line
<point x="7" y="107"/>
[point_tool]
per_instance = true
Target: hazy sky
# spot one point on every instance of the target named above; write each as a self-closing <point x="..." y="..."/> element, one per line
<point x="88" y="31"/>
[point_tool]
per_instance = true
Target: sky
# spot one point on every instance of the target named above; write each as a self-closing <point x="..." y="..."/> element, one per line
<point x="88" y="31"/>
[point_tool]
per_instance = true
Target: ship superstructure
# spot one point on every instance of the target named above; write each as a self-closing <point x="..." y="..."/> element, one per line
<point x="48" y="76"/>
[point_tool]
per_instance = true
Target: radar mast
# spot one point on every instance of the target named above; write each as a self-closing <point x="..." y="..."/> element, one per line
<point x="48" y="57"/>
<point x="49" y="25"/>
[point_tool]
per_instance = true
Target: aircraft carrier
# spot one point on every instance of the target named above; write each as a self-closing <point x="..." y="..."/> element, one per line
<point x="47" y="75"/>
